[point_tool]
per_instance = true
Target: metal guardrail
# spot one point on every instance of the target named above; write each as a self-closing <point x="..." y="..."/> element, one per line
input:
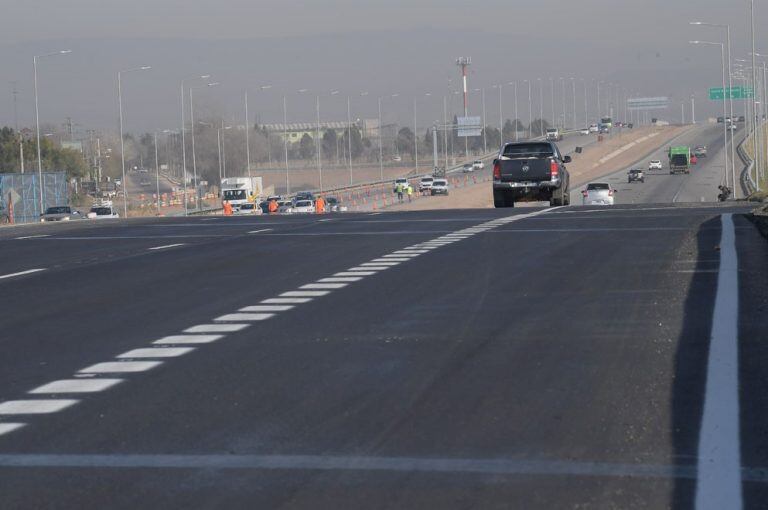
<point x="747" y="183"/>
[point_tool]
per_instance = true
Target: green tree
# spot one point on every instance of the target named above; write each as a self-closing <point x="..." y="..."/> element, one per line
<point x="306" y="147"/>
<point x="357" y="142"/>
<point x="329" y="142"/>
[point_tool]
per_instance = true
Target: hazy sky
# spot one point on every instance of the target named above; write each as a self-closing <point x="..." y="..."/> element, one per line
<point x="382" y="47"/>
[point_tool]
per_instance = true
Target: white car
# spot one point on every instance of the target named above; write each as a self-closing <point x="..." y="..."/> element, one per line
<point x="248" y="208"/>
<point x="468" y="168"/>
<point x="102" y="213"/>
<point x="593" y="128"/>
<point x="425" y="184"/>
<point x="655" y="164"/>
<point x="585" y="131"/>
<point x="302" y="207"/>
<point x="439" y="187"/>
<point x="478" y="164"/>
<point x="598" y="193"/>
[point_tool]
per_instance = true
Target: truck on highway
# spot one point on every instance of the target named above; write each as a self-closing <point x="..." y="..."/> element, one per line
<point x="554" y="135"/>
<point x="531" y="172"/>
<point x="241" y="190"/>
<point x="679" y="159"/>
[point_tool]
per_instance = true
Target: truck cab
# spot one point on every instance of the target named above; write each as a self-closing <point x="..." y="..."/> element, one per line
<point x="554" y="135"/>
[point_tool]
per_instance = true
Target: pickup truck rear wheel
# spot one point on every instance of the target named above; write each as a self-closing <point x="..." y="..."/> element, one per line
<point x="502" y="199"/>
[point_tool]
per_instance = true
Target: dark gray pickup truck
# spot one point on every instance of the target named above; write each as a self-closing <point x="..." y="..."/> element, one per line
<point x="531" y="172"/>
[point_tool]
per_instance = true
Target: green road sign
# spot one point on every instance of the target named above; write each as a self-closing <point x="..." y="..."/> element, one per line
<point x="718" y="93"/>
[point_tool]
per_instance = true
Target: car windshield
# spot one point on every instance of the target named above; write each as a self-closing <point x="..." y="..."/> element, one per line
<point x="102" y="211"/>
<point x="598" y="186"/>
<point x="441" y="183"/>
<point x="427" y="179"/>
<point x="528" y="149"/>
<point x="58" y="210"/>
<point x="303" y="203"/>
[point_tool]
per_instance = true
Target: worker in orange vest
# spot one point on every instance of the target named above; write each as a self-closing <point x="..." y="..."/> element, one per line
<point x="227" y="208"/>
<point x="319" y="205"/>
<point x="272" y="206"/>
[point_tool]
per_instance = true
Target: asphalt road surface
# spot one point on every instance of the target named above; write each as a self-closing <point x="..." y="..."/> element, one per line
<point x="661" y="187"/>
<point x="574" y="357"/>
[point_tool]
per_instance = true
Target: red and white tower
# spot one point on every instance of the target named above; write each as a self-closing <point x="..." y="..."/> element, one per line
<point x="464" y="63"/>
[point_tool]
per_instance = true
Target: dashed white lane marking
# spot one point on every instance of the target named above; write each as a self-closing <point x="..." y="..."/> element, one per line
<point x="260" y="231"/>
<point x="355" y="273"/>
<point x="5" y="428"/>
<point x="35" y="406"/>
<point x="366" y="269"/>
<point x="294" y="301"/>
<point x="267" y="308"/>
<point x="305" y="293"/>
<point x="119" y="367"/>
<point x="216" y="328"/>
<point x="166" y="246"/>
<point x="76" y="386"/>
<point x="719" y="482"/>
<point x="410" y="251"/>
<point x="327" y="286"/>
<point x="187" y="339"/>
<point x="157" y="352"/>
<point x="379" y="264"/>
<point x="244" y="317"/>
<point x="390" y="260"/>
<point x="33" y="237"/>
<point x="348" y="279"/>
<point x="21" y="273"/>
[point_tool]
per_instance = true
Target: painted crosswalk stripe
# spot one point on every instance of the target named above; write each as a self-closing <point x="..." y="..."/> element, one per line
<point x="35" y="406"/>
<point x="117" y="367"/>
<point x="244" y="317"/>
<point x="157" y="352"/>
<point x="292" y="301"/>
<point x="216" y="328"/>
<point x="6" y="428"/>
<point x="76" y="386"/>
<point x="305" y="293"/>
<point x="188" y="339"/>
<point x="266" y="308"/>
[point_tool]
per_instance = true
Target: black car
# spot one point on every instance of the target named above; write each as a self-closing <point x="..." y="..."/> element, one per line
<point x="303" y="195"/>
<point x="635" y="174"/>
<point x="530" y="172"/>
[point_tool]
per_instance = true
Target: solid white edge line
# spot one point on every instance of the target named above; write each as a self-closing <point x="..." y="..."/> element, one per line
<point x="22" y="273"/>
<point x="719" y="455"/>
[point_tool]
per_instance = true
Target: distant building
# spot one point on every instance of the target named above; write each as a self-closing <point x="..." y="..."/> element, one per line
<point x="296" y="131"/>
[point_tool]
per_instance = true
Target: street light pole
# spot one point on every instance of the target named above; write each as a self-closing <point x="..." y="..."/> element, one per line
<point x="122" y="141"/>
<point x="541" y="107"/>
<point x="194" y="155"/>
<point x="725" y="111"/>
<point x="37" y="127"/>
<point x="157" y="176"/>
<point x="183" y="140"/>
<point x="517" y="115"/>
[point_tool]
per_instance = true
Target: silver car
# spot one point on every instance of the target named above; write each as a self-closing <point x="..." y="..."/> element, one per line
<point x="598" y="193"/>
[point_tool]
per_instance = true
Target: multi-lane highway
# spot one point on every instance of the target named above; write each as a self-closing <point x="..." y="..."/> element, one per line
<point x="661" y="187"/>
<point x="574" y="357"/>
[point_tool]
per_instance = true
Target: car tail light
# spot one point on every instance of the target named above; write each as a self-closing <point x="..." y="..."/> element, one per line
<point x="497" y="171"/>
<point x="554" y="169"/>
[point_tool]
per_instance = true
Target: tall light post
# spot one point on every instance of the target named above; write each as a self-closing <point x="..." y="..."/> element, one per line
<point x="517" y="116"/>
<point x="485" y="123"/>
<point x="37" y="126"/>
<point x="381" y="149"/>
<point x="725" y="112"/>
<point x="501" y="114"/>
<point x="192" y="125"/>
<point x="599" y="107"/>
<point x="530" y="109"/>
<point x="552" y="100"/>
<point x="122" y="141"/>
<point x="541" y="106"/>
<point x="562" y="89"/>
<point x="730" y="82"/>
<point x="573" y="91"/>
<point x="248" y="129"/>
<point x="183" y="140"/>
<point x="586" y="104"/>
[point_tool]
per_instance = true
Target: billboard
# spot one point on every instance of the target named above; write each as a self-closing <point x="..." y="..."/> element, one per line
<point x="469" y="126"/>
<point x="648" y="103"/>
